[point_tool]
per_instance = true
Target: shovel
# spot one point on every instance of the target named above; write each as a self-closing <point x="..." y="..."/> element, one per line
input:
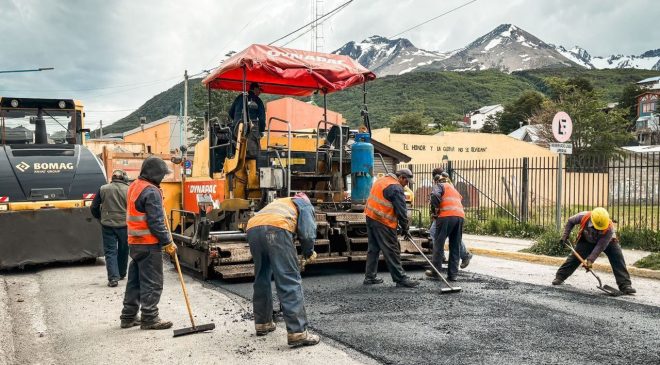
<point x="449" y="289"/>
<point x="606" y="288"/>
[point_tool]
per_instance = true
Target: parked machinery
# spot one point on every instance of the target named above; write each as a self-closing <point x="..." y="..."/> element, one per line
<point x="238" y="171"/>
<point x="48" y="179"/>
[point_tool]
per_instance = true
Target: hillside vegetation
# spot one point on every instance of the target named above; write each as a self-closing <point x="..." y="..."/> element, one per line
<point x="443" y="96"/>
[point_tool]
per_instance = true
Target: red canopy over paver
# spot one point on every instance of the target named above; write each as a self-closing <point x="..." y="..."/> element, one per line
<point x="286" y="71"/>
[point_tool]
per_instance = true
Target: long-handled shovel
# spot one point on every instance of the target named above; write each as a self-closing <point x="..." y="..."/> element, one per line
<point x="606" y="288"/>
<point x="449" y="289"/>
<point x="193" y="329"/>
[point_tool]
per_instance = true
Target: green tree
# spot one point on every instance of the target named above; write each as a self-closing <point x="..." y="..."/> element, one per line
<point x="596" y="132"/>
<point x="519" y="111"/>
<point x="628" y="101"/>
<point x="220" y="103"/>
<point x="490" y="124"/>
<point x="411" y="123"/>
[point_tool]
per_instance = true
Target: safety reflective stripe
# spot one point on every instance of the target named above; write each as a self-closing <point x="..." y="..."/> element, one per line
<point x="137" y="218"/>
<point x="381" y="201"/>
<point x="377" y="207"/>
<point x="281" y="213"/>
<point x="139" y="232"/>
<point x="381" y="214"/>
<point x="450" y="203"/>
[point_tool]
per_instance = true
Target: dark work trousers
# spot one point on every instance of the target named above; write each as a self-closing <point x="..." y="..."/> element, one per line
<point x="115" y="248"/>
<point x="275" y="255"/>
<point x="614" y="254"/>
<point x="464" y="251"/>
<point x="145" y="283"/>
<point x="452" y="228"/>
<point x="383" y="238"/>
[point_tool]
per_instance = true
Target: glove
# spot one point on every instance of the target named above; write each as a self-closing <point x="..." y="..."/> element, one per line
<point x="563" y="241"/>
<point x="588" y="265"/>
<point x="311" y="258"/>
<point x="405" y="230"/>
<point x="170" y="249"/>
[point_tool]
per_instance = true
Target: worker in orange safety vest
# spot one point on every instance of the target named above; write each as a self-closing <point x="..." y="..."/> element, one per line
<point x="385" y="210"/>
<point x="148" y="237"/>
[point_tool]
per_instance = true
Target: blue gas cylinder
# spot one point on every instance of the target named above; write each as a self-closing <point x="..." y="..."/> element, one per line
<point x="362" y="168"/>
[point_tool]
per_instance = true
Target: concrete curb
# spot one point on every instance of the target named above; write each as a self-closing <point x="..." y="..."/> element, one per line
<point x="557" y="261"/>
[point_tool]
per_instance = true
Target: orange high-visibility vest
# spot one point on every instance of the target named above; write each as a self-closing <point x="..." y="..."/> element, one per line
<point x="136" y="221"/>
<point x="378" y="208"/>
<point x="281" y="213"/>
<point x="450" y="204"/>
<point x="583" y="225"/>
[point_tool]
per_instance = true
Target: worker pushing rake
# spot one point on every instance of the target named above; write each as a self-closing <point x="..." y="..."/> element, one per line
<point x="597" y="235"/>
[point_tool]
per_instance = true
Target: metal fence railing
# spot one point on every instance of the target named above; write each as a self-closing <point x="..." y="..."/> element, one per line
<point x="526" y="190"/>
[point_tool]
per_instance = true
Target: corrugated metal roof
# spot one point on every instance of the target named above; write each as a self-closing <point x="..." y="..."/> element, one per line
<point x="642" y="149"/>
<point x="650" y="79"/>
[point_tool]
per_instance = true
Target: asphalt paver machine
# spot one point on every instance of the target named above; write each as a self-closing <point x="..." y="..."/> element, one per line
<point x="238" y="169"/>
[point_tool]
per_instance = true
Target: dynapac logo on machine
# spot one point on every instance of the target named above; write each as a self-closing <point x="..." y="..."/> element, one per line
<point x="45" y="167"/>
<point x="202" y="189"/>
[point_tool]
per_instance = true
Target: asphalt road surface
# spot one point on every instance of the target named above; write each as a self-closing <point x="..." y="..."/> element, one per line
<point x="491" y="321"/>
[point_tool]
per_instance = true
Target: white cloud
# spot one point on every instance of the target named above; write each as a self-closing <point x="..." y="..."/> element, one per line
<point x="102" y="44"/>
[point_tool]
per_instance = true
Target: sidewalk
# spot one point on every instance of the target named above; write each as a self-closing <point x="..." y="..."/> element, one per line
<point x="68" y="315"/>
<point x="509" y="248"/>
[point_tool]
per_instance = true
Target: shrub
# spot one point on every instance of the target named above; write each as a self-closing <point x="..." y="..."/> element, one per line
<point x="641" y="239"/>
<point x="548" y="244"/>
<point x="502" y="227"/>
<point x="651" y="261"/>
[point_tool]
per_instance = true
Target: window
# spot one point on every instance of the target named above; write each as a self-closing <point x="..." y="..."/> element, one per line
<point x="648" y="107"/>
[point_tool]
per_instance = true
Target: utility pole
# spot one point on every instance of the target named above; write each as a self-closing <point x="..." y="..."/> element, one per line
<point x="185" y="109"/>
<point x="101" y="127"/>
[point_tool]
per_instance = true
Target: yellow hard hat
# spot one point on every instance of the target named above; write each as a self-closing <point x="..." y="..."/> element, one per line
<point x="600" y="218"/>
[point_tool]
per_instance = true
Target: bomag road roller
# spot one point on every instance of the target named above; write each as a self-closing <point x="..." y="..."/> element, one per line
<point x="48" y="179"/>
<point x="239" y="167"/>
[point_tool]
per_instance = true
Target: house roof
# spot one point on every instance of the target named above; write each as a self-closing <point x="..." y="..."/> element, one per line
<point x="167" y="119"/>
<point x="642" y="149"/>
<point x="378" y="146"/>
<point x="532" y="131"/>
<point x="488" y="108"/>
<point x="649" y="80"/>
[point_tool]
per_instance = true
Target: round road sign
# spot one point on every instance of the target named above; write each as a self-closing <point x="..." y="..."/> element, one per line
<point x="562" y="127"/>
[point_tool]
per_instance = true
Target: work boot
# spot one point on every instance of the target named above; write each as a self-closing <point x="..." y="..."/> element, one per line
<point x="431" y="275"/>
<point x="112" y="283"/>
<point x="629" y="290"/>
<point x="466" y="261"/>
<point x="451" y="278"/>
<point x="264" y="328"/>
<point x="302" y="339"/>
<point x="557" y="281"/>
<point x="158" y="324"/>
<point x="368" y="281"/>
<point x="129" y="323"/>
<point x="407" y="283"/>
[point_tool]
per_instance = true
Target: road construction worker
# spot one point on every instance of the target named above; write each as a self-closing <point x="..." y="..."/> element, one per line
<point x="270" y="234"/>
<point x="449" y="216"/>
<point x="148" y="237"/>
<point x="235" y="112"/>
<point x="109" y="207"/>
<point x="440" y="177"/>
<point x="597" y="234"/>
<point x="385" y="209"/>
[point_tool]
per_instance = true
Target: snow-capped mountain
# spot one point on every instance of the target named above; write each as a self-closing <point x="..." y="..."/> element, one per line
<point x="507" y="48"/>
<point x="649" y="60"/>
<point x="389" y="56"/>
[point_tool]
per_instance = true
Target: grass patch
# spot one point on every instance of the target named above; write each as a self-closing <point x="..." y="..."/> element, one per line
<point x="651" y="261"/>
<point x="503" y="228"/>
<point x="640" y="239"/>
<point x="548" y="244"/>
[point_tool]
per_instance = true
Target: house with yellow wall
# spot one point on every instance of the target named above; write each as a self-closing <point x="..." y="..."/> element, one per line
<point x="162" y="136"/>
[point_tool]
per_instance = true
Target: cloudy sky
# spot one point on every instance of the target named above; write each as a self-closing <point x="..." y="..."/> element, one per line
<point x="115" y="54"/>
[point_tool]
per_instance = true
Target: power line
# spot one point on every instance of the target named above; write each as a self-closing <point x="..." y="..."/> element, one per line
<point x="317" y="24"/>
<point x="138" y="84"/>
<point x="331" y="12"/>
<point x="434" y="18"/>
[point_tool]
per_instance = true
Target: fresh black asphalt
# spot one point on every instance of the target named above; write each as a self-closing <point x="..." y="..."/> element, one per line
<point x="492" y="321"/>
